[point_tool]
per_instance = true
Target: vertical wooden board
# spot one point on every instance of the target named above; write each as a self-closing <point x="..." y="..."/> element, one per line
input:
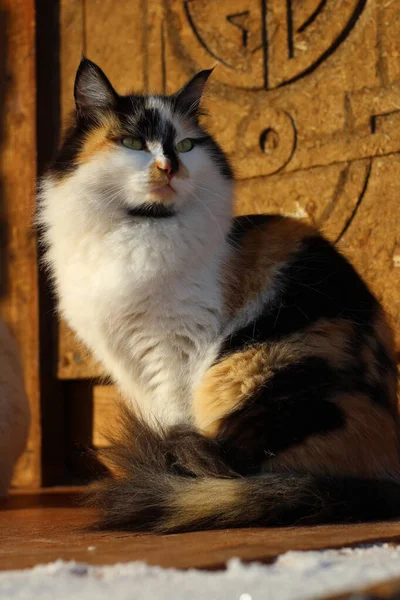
<point x="72" y="46"/>
<point x="125" y="38"/>
<point x="115" y="37"/>
<point x="75" y="360"/>
<point x="105" y="411"/>
<point x="18" y="264"/>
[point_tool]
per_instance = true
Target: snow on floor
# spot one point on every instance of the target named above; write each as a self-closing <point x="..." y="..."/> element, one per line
<point x="294" y="576"/>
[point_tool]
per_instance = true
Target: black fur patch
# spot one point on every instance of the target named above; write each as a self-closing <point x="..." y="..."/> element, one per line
<point x="217" y="154"/>
<point x="145" y="123"/>
<point x="318" y="282"/>
<point x="154" y="210"/>
<point x="360" y="373"/>
<point x="291" y="406"/>
<point x="242" y="225"/>
<point x="65" y="160"/>
<point x="148" y="125"/>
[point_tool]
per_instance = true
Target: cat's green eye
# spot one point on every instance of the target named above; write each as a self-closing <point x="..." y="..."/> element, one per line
<point x="185" y="145"/>
<point x="132" y="143"/>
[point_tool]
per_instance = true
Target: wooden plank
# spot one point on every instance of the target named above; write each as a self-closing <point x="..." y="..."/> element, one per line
<point x="72" y="45"/>
<point x="74" y="360"/>
<point x="53" y="422"/>
<point x="19" y="289"/>
<point x="82" y="465"/>
<point x="122" y="25"/>
<point x="104" y="413"/>
<point x="54" y="527"/>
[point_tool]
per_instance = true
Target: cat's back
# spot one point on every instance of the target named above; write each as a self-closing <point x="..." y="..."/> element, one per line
<point x="302" y="276"/>
<point x="307" y="369"/>
<point x="287" y="284"/>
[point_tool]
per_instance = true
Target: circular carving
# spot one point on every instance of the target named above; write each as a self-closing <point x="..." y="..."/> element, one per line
<point x="263" y="45"/>
<point x="268" y="141"/>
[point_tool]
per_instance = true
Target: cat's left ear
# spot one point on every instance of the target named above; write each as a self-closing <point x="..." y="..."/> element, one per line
<point x="93" y="92"/>
<point x="190" y="95"/>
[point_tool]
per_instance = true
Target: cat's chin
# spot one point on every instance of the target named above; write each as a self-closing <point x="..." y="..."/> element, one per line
<point x="164" y="193"/>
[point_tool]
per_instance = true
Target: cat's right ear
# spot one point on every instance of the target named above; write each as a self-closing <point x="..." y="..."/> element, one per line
<point x="93" y="92"/>
<point x="190" y="95"/>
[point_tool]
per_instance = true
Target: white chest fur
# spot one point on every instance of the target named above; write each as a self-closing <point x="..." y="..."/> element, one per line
<point x="145" y="297"/>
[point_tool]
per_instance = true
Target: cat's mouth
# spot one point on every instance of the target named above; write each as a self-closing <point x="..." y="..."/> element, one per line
<point x="163" y="191"/>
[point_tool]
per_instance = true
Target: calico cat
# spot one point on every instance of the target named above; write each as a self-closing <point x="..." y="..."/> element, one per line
<point x="257" y="368"/>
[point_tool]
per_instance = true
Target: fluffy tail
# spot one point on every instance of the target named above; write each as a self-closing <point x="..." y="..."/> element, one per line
<point x="179" y="482"/>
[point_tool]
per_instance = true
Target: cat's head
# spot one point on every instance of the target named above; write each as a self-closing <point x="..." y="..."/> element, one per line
<point x="140" y="154"/>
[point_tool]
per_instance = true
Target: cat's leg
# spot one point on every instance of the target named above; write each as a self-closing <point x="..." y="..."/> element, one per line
<point x="14" y="408"/>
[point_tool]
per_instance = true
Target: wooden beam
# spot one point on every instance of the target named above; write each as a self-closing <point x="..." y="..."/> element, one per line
<point x="18" y="260"/>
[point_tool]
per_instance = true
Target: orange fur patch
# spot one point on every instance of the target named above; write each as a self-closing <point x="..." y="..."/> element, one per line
<point x="368" y="445"/>
<point x="157" y="176"/>
<point x="98" y="139"/>
<point x="263" y="249"/>
<point x="196" y="501"/>
<point x="228" y="384"/>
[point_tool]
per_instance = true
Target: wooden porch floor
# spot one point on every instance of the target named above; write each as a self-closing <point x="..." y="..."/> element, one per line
<point x="42" y="527"/>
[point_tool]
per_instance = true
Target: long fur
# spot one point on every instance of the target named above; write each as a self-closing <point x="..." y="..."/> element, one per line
<point x="142" y="292"/>
<point x="178" y="481"/>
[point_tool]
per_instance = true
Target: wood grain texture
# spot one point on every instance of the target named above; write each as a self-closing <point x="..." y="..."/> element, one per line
<point x="42" y="528"/>
<point x="74" y="360"/>
<point x="104" y="413"/>
<point x="124" y="28"/>
<point x="18" y="262"/>
<point x="72" y="46"/>
<point x="305" y="102"/>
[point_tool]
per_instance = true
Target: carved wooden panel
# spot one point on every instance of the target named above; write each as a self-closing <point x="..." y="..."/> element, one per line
<point x="305" y="99"/>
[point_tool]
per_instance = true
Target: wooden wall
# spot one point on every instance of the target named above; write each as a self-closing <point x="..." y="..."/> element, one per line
<point x="18" y="261"/>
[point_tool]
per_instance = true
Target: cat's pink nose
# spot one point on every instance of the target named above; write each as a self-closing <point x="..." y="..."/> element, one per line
<point x="167" y="167"/>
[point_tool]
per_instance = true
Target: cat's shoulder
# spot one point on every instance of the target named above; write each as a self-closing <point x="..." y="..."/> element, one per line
<point x="278" y="236"/>
<point x="273" y="225"/>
